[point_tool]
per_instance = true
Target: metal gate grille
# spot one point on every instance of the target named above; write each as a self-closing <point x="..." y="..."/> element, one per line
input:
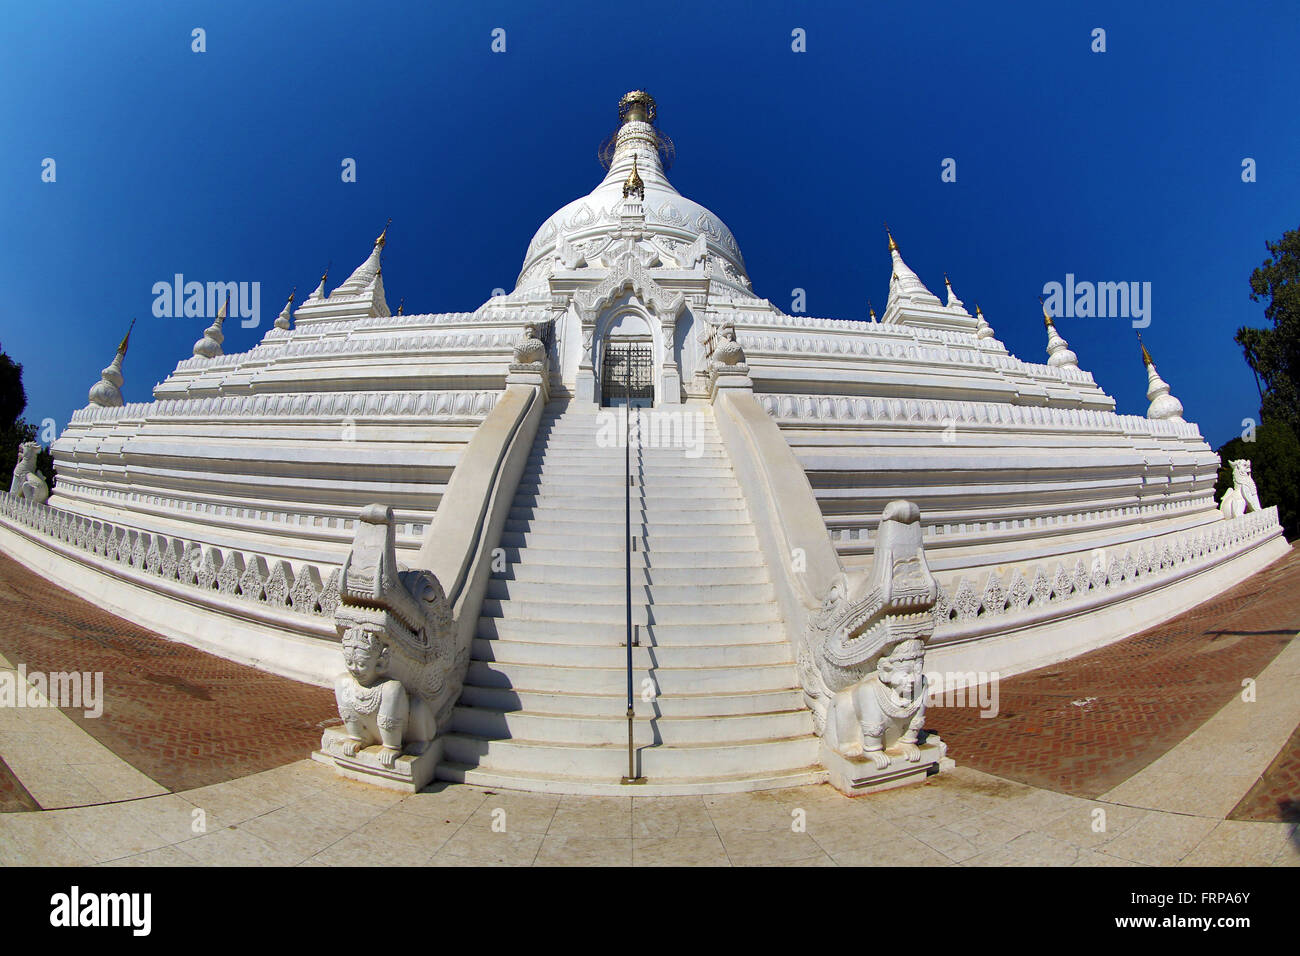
<point x="624" y="362"/>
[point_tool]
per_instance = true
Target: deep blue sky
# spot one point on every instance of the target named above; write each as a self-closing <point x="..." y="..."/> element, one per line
<point x="225" y="165"/>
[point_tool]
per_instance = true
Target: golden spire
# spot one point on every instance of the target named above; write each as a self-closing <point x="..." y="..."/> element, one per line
<point x="1047" y="318"/>
<point x="634" y="184"/>
<point x="1146" y="356"/>
<point x="893" y="246"/>
<point x="291" y="295"/>
<point x="978" y="313"/>
<point x="400" y="305"/>
<point x="126" y="339"/>
<point x="383" y="236"/>
<point x="871" y="310"/>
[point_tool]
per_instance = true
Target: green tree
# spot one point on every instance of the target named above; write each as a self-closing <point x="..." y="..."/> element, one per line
<point x="1274" y="458"/>
<point x="1274" y="353"/>
<point x="13" y="429"/>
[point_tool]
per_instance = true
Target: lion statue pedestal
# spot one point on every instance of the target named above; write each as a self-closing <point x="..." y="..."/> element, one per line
<point x="863" y="665"/>
<point x="395" y="629"/>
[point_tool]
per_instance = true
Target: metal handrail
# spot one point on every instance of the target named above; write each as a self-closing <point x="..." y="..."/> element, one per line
<point x="631" y="777"/>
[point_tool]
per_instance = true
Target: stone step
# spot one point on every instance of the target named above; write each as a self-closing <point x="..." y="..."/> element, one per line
<point x="554" y="654"/>
<point x="543" y="705"/>
<point x="612" y="575"/>
<point x="678" y="705"/>
<point x="613" y="680"/>
<point x="654" y="504"/>
<point x="640" y="528"/>
<point x="665" y="615"/>
<point x="579" y="543"/>
<point x="663" y="786"/>
<point x="609" y="760"/>
<point x="584" y="729"/>
<point x="566" y="520"/>
<point x="513" y="555"/>
<point x="586" y="593"/>
<point x="607" y="625"/>
<point x="653" y="436"/>
<point x="615" y="481"/>
<point x="552" y="454"/>
<point x="611" y="490"/>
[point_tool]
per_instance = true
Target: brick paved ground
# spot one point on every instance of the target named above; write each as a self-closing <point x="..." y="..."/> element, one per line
<point x="1148" y="692"/>
<point x="13" y="795"/>
<point x="188" y="719"/>
<point x="1276" y="795"/>
<point x="185" y="718"/>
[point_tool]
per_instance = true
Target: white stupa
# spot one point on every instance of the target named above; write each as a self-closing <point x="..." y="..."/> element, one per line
<point x="774" y="565"/>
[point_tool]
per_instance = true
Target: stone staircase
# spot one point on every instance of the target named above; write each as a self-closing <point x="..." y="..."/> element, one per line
<point x="544" y="705"/>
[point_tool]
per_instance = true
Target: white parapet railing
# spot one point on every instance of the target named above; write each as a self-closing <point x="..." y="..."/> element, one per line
<point x="203" y="569"/>
<point x="992" y="601"/>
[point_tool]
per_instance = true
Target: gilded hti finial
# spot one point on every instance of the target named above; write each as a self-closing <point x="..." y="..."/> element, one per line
<point x="637" y="106"/>
<point x="1047" y="316"/>
<point x="893" y="246"/>
<point x="1146" y="356"/>
<point x="401" y="304"/>
<point x="871" y="310"/>
<point x="634" y="184"/>
<point x="383" y="236"/>
<point x="126" y="339"/>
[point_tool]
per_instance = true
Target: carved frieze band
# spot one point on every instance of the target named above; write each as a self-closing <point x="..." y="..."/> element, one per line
<point x="798" y="409"/>
<point x="432" y="405"/>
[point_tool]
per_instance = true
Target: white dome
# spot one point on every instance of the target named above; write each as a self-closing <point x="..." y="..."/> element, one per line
<point x="589" y="223"/>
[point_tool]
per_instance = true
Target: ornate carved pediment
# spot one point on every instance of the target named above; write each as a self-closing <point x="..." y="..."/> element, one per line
<point x="628" y="273"/>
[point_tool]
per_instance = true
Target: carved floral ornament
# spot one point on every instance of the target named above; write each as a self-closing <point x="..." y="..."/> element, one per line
<point x="627" y="274"/>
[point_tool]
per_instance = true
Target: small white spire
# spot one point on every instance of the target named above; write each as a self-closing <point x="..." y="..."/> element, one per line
<point x="1058" y="350"/>
<point x="362" y="276"/>
<point x="985" y="331"/>
<point x="1164" y="406"/>
<point x="905" y="287"/>
<point x="319" y="294"/>
<point x="953" y="302"/>
<point x="210" y="345"/>
<point x="107" y="392"/>
<point x="283" y="320"/>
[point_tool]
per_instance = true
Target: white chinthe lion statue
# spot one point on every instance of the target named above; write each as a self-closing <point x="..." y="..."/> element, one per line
<point x="27" y="481"/>
<point x="1242" y="496"/>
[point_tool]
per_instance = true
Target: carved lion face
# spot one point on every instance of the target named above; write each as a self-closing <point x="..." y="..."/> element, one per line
<point x="1241" y="469"/>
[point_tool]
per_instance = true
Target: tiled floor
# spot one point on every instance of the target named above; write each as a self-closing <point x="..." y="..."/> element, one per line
<point x="1173" y="803"/>
<point x="181" y="717"/>
<point x="1276" y="795"/>
<point x="1100" y="718"/>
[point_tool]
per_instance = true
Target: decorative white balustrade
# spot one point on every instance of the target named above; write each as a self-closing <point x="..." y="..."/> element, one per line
<point x="1115" y="573"/>
<point x="227" y="571"/>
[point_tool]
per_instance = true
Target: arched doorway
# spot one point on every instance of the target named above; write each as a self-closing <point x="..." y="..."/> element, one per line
<point x="627" y="363"/>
